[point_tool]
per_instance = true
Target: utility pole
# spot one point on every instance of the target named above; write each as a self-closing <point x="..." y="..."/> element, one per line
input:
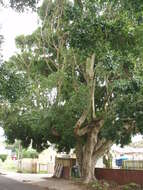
<point x="19" y="157"/>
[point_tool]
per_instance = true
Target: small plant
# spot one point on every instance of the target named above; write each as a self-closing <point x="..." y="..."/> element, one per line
<point x="100" y="185"/>
<point x="96" y="186"/>
<point x="131" y="186"/>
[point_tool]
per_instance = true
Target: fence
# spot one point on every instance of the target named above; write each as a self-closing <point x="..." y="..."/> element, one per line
<point x="33" y="166"/>
<point x="27" y="165"/>
<point x="46" y="167"/>
<point x="120" y="176"/>
<point x="133" y="164"/>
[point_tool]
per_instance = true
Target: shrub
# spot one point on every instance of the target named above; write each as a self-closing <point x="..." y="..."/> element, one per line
<point x="3" y="157"/>
<point x="30" y="153"/>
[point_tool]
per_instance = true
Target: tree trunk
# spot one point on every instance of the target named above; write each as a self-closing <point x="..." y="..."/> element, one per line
<point x="79" y="154"/>
<point x="88" y="160"/>
<point x="88" y="154"/>
<point x="19" y="157"/>
<point x="89" y="169"/>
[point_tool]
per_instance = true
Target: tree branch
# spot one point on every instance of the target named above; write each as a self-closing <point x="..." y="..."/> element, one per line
<point x="83" y="131"/>
<point x="101" y="149"/>
<point x="81" y="120"/>
<point x="91" y="85"/>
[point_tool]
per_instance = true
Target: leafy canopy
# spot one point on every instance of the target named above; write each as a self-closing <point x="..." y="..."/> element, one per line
<point x="57" y="61"/>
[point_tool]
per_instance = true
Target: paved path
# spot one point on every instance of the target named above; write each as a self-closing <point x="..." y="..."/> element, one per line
<point x="10" y="184"/>
<point x="17" y="181"/>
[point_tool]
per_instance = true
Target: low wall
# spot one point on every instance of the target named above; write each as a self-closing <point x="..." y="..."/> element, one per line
<point x="120" y="176"/>
<point x="29" y="165"/>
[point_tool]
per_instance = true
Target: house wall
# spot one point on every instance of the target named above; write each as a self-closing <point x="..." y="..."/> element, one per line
<point x="46" y="160"/>
<point x="47" y="156"/>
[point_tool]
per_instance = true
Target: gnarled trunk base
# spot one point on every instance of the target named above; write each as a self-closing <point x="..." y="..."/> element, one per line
<point x="88" y="155"/>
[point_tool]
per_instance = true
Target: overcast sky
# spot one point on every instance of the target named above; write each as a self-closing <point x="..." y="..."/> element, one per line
<point x="13" y="24"/>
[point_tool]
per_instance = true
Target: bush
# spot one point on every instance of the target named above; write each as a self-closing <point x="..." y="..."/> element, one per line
<point x="30" y="153"/>
<point x="3" y="157"/>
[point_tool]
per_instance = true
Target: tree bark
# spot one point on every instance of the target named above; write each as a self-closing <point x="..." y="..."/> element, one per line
<point x="79" y="154"/>
<point x="88" y="155"/>
<point x="88" y="162"/>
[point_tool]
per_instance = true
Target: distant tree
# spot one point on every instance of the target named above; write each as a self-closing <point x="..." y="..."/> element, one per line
<point x="3" y="157"/>
<point x="26" y="153"/>
<point x="29" y="153"/>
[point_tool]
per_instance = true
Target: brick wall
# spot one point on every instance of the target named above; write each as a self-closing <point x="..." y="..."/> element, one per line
<point x="120" y="176"/>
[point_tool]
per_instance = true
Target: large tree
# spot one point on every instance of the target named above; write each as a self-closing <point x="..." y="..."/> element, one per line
<point x="88" y="55"/>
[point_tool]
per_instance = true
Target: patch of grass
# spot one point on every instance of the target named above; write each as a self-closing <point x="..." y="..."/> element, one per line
<point x="9" y="165"/>
<point x="10" y="168"/>
<point x="43" y="172"/>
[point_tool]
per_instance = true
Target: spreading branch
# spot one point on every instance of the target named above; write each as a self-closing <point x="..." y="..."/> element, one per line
<point x="81" y="120"/>
<point x="102" y="148"/>
<point x="82" y="131"/>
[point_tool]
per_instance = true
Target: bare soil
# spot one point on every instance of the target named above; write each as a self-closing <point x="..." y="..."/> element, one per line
<point x="62" y="184"/>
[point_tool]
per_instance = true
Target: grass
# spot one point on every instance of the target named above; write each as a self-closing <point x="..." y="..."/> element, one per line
<point x="9" y="165"/>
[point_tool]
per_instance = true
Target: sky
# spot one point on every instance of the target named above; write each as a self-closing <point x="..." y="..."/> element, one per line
<point x="13" y="24"/>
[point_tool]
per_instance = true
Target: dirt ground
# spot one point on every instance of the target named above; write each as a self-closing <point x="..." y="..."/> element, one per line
<point x="46" y="182"/>
<point x="61" y="184"/>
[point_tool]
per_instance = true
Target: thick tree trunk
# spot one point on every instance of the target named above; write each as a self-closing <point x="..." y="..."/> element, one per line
<point x="89" y="169"/>
<point x="88" y="161"/>
<point x="88" y="154"/>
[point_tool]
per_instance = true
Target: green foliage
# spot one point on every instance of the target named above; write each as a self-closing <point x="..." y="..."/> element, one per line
<point x="27" y="127"/>
<point x="132" y="186"/>
<point x="100" y="185"/>
<point x="29" y="153"/>
<point x="12" y="84"/>
<point x="103" y="185"/>
<point x="3" y="157"/>
<point x="20" y="5"/>
<point x="54" y="59"/>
